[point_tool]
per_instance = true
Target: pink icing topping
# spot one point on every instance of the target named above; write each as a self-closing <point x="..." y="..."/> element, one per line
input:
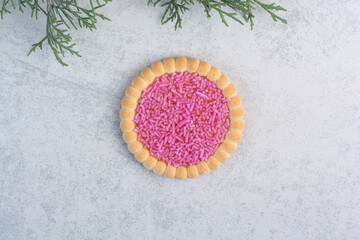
<point x="182" y="118"/>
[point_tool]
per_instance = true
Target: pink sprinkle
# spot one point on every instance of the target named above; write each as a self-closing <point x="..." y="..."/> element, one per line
<point x="202" y="95"/>
<point x="182" y="118"/>
<point x="182" y="123"/>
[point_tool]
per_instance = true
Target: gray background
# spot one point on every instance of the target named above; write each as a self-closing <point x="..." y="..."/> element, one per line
<point x="65" y="172"/>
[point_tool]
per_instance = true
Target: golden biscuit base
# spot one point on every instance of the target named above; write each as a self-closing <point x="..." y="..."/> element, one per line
<point x="146" y="78"/>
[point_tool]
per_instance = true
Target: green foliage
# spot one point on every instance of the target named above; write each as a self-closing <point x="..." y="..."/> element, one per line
<point x="61" y="15"/>
<point x="237" y="10"/>
<point x="174" y="10"/>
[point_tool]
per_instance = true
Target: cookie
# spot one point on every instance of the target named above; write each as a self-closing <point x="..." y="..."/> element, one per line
<point x="181" y="118"/>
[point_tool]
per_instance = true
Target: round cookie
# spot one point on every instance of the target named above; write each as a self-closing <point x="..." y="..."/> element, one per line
<point x="191" y="101"/>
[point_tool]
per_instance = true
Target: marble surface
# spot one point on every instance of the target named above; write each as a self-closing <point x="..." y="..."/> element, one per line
<point x="65" y="172"/>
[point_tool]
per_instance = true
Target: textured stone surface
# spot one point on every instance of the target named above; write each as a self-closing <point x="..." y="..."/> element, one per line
<point x="65" y="172"/>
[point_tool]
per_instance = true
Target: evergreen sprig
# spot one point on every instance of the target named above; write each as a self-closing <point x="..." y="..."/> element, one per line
<point x="61" y="15"/>
<point x="174" y="10"/>
<point x="237" y="10"/>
